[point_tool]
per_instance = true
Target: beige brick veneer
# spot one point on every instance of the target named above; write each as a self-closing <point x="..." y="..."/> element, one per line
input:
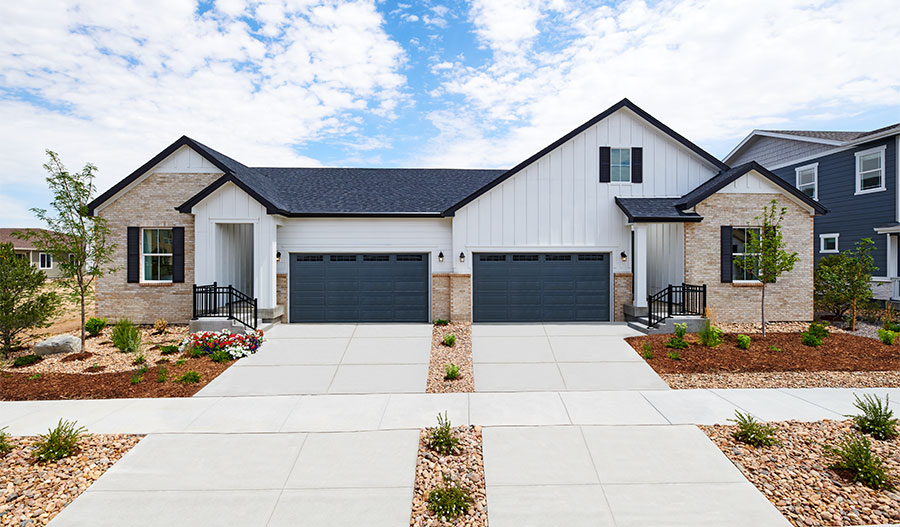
<point x="281" y="290"/>
<point x="790" y="298"/>
<point x="460" y="298"/>
<point x="150" y="203"/>
<point x="622" y="294"/>
<point x="440" y="296"/>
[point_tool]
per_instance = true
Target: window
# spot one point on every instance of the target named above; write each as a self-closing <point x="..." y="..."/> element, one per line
<point x="808" y="180"/>
<point x="870" y="170"/>
<point x="20" y="256"/>
<point x="157" y="255"/>
<point x="620" y="165"/>
<point x="46" y="261"/>
<point x="828" y="243"/>
<point x="740" y="237"/>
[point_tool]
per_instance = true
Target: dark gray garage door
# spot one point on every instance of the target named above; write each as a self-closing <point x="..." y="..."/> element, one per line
<point x="540" y="287"/>
<point x="359" y="288"/>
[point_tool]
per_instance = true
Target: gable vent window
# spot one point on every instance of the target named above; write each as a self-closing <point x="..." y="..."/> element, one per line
<point x="409" y="257"/>
<point x="807" y="180"/>
<point x="343" y="258"/>
<point x="525" y="257"/>
<point x="376" y="258"/>
<point x="492" y="257"/>
<point x="309" y="258"/>
<point x="557" y="258"/>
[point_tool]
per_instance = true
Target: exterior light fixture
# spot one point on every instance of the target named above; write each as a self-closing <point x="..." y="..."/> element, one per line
<point x="441" y="256"/>
<point x="277" y="256"/>
<point x="462" y="256"/>
<point x="624" y="256"/>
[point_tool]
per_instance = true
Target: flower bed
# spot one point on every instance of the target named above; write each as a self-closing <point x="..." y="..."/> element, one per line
<point x="237" y="345"/>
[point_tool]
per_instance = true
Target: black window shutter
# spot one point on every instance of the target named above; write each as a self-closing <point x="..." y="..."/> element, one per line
<point x="134" y="254"/>
<point x="178" y="254"/>
<point x="637" y="165"/>
<point x="726" y="254"/>
<point x="604" y="164"/>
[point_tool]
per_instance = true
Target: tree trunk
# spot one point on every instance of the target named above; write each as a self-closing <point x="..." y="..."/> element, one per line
<point x="82" y="320"/>
<point x="853" y="317"/>
<point x="763" y="310"/>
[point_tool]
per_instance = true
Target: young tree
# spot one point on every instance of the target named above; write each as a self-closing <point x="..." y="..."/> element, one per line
<point x="846" y="280"/>
<point x="772" y="260"/>
<point x="829" y="284"/>
<point x="77" y="241"/>
<point x="23" y="303"/>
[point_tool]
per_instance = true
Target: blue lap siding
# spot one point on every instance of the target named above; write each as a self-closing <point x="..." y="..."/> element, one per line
<point x="853" y="217"/>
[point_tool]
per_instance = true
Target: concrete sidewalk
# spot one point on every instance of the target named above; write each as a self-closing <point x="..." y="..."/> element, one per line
<point x="315" y="413"/>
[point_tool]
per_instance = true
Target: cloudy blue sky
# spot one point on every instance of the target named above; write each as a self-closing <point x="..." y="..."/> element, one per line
<point x="430" y="83"/>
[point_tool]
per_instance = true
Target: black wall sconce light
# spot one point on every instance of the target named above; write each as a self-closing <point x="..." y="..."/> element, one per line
<point x="462" y="256"/>
<point x="624" y="256"/>
<point x="441" y="256"/>
<point x="277" y="256"/>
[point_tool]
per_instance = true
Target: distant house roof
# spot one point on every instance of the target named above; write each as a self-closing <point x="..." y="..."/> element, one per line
<point x="652" y="210"/>
<point x="832" y="135"/>
<point x="827" y="137"/>
<point x="6" y="236"/>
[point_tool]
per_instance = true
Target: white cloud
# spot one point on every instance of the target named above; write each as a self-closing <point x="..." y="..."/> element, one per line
<point x="133" y="77"/>
<point x="711" y="69"/>
<point x="410" y="18"/>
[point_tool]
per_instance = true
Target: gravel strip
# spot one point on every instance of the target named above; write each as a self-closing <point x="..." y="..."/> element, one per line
<point x="795" y="476"/>
<point x="465" y="468"/>
<point x="784" y="379"/>
<point x="33" y="493"/>
<point x="103" y="354"/>
<point x="460" y="354"/>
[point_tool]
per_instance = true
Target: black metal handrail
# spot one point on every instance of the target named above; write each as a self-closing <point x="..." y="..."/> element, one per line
<point x="224" y="302"/>
<point x="676" y="300"/>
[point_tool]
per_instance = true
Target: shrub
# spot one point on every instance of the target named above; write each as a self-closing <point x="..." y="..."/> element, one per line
<point x="892" y="326"/>
<point x="137" y="378"/>
<point x="95" y="325"/>
<point x="35" y="377"/>
<point x="752" y="432"/>
<point x="877" y="419"/>
<point x="126" y="336"/>
<point x="811" y="340"/>
<point x="680" y="330"/>
<point x="161" y="374"/>
<point x="235" y="344"/>
<point x="58" y="442"/>
<point x="180" y="362"/>
<point x="220" y="356"/>
<point x="139" y="359"/>
<point x="647" y="350"/>
<point x="441" y="439"/>
<point x="774" y="348"/>
<point x="441" y="322"/>
<point x="160" y="326"/>
<point x="26" y="303"/>
<point x="674" y="355"/>
<point x="449" y="500"/>
<point x="743" y="342"/>
<point x="26" y="360"/>
<point x="191" y="377"/>
<point x="168" y="349"/>
<point x="450" y="340"/>
<point x="710" y="336"/>
<point x="194" y="352"/>
<point x="818" y="330"/>
<point x="677" y="343"/>
<point x="451" y="372"/>
<point x="887" y="336"/>
<point x="5" y="446"/>
<point x="853" y="454"/>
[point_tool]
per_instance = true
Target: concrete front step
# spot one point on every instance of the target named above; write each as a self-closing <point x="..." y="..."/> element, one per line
<point x="694" y="324"/>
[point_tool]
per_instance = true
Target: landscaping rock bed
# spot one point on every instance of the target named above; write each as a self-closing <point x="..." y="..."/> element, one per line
<point x="103" y="354"/>
<point x="465" y="468"/>
<point x="33" y="493"/>
<point x="795" y="477"/>
<point x="780" y="360"/>
<point x="103" y="385"/>
<point x="459" y="354"/>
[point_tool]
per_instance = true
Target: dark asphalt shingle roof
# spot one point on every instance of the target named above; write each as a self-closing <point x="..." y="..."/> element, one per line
<point x="654" y="210"/>
<point x="832" y="135"/>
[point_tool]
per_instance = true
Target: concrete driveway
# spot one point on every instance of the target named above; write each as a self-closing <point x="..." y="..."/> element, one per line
<point x="558" y="357"/>
<point x="299" y="359"/>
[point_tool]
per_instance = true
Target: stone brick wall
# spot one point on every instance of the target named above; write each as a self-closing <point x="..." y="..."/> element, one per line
<point x="281" y="290"/>
<point x="622" y="294"/>
<point x="460" y="298"/>
<point x="151" y="203"/>
<point x="789" y="299"/>
<point x="440" y="296"/>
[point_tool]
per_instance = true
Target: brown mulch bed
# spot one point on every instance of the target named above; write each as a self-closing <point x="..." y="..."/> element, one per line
<point x="465" y="468"/>
<point x="460" y="355"/>
<point x="33" y="493"/>
<point x="109" y="385"/>
<point x="795" y="477"/>
<point x="838" y="352"/>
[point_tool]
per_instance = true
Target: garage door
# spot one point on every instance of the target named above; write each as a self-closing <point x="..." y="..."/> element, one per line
<point x="540" y="287"/>
<point x="359" y="288"/>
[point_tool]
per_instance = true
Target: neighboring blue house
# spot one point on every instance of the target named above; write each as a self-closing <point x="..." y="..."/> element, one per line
<point x="854" y="175"/>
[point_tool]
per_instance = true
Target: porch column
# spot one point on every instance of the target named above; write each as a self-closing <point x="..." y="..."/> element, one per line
<point x="640" y="264"/>
<point x="892" y="271"/>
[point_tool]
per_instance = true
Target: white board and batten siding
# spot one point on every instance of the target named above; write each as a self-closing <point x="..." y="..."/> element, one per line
<point x="228" y="205"/>
<point x="558" y="203"/>
<point x="185" y="161"/>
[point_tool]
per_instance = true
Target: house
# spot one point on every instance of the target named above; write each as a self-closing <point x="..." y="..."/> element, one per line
<point x="854" y="175"/>
<point x="25" y="249"/>
<point x="587" y="229"/>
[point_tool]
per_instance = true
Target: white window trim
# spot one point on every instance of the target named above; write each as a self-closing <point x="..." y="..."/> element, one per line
<point x="141" y="270"/>
<point x="836" y="236"/>
<point x="815" y="169"/>
<point x="629" y="182"/>
<point x="41" y="261"/>
<point x="880" y="150"/>
<point x="734" y="280"/>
